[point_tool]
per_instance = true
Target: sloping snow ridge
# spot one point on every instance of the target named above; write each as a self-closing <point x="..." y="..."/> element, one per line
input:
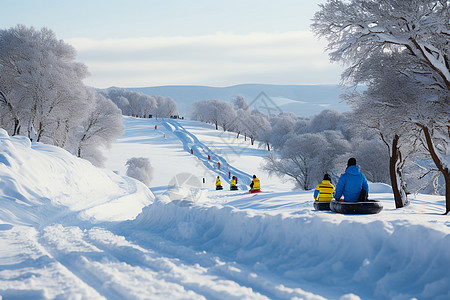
<point x="69" y="230"/>
<point x="36" y="175"/>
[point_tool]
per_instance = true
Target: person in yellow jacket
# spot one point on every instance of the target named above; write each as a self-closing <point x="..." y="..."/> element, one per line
<point x="324" y="191"/>
<point x="233" y="181"/>
<point x="218" y="181"/>
<point x="256" y="184"/>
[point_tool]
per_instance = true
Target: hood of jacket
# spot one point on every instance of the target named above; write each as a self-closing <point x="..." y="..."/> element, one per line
<point x="353" y="170"/>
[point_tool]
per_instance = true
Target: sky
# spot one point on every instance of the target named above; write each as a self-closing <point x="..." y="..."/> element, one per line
<point x="140" y="43"/>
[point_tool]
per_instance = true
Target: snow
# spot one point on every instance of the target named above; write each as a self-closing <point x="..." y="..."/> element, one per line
<point x="73" y="231"/>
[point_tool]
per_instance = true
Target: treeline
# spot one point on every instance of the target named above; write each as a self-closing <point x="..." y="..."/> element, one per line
<point x="42" y="95"/>
<point x="142" y="105"/>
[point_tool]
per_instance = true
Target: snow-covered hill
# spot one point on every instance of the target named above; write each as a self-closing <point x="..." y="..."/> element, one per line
<point x="69" y="230"/>
<point x="303" y="100"/>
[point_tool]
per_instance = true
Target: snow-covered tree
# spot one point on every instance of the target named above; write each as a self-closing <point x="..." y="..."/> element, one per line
<point x="307" y="157"/>
<point x="41" y="84"/>
<point x="239" y="102"/>
<point x="142" y="105"/>
<point x="417" y="33"/>
<point x="282" y="125"/>
<point x="141" y="169"/>
<point x="215" y="112"/>
<point x="167" y="107"/>
<point x="98" y="130"/>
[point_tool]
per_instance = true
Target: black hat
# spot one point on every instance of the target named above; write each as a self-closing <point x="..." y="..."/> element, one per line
<point x="254" y="176"/>
<point x="351" y="162"/>
<point x="326" y="177"/>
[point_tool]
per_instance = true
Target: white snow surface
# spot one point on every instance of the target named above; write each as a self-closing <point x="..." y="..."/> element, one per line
<point x="69" y="230"/>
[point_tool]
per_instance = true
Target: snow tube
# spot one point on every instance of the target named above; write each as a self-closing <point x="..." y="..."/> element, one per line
<point x="219" y="187"/>
<point x="233" y="188"/>
<point x="356" y="208"/>
<point x="255" y="191"/>
<point x="321" y="205"/>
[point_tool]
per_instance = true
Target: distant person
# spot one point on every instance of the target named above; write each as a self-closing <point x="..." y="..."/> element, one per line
<point x="218" y="164"/>
<point x="324" y="191"/>
<point x="352" y="184"/>
<point x="256" y="184"/>
<point x="218" y="184"/>
<point x="233" y="183"/>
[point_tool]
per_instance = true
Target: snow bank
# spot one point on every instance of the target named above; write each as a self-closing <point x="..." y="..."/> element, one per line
<point x="380" y="258"/>
<point x="41" y="182"/>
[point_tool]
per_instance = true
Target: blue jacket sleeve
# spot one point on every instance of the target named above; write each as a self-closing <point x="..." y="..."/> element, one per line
<point x="340" y="187"/>
<point x="316" y="193"/>
<point x="365" y="184"/>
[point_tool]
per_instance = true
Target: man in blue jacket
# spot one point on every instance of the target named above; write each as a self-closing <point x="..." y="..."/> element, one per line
<point x="351" y="183"/>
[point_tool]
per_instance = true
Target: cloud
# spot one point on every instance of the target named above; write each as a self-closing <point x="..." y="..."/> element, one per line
<point x="220" y="59"/>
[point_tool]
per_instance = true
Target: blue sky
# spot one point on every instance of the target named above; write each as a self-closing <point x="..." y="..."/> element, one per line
<point x="139" y="43"/>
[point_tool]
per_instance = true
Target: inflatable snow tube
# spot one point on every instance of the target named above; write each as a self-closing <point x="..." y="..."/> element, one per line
<point x="233" y="188"/>
<point x="321" y="205"/>
<point x="356" y="208"/>
<point x="219" y="187"/>
<point x="255" y="191"/>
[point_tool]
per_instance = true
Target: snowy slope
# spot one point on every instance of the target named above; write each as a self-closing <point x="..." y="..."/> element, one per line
<point x="69" y="230"/>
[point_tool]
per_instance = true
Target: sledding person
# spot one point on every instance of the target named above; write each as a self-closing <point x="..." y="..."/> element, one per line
<point x="255" y="185"/>
<point x="352" y="184"/>
<point x="233" y="183"/>
<point x="324" y="191"/>
<point x="218" y="184"/>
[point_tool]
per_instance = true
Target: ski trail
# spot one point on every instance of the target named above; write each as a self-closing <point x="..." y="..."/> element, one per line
<point x="120" y="269"/>
<point x="201" y="151"/>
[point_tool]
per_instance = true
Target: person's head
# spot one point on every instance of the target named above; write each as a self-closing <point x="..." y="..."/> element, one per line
<point x="326" y="177"/>
<point x="217" y="176"/>
<point x="254" y="176"/>
<point x="351" y="162"/>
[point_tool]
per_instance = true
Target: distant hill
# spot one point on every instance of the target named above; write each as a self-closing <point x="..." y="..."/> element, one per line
<point x="303" y="100"/>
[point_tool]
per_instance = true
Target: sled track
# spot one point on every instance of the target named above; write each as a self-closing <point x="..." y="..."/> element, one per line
<point x="196" y="275"/>
<point x="201" y="151"/>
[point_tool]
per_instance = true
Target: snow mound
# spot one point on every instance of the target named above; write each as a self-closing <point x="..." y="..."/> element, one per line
<point x="380" y="188"/>
<point x="381" y="256"/>
<point x="41" y="181"/>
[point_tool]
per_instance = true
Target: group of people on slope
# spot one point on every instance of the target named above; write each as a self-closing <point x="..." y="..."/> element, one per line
<point x="352" y="185"/>
<point x="254" y="185"/>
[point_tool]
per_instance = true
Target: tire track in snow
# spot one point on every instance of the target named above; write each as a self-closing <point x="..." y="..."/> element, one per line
<point x="201" y="151"/>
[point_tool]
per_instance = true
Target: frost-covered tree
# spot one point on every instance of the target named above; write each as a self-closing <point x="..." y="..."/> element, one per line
<point x="167" y="107"/>
<point x="305" y="158"/>
<point x="239" y="102"/>
<point x="282" y="126"/>
<point x="256" y="124"/>
<point x="141" y="169"/>
<point x="142" y="105"/>
<point x="239" y="124"/>
<point x="41" y="84"/>
<point x="98" y="130"/>
<point x="214" y="112"/>
<point x="417" y="32"/>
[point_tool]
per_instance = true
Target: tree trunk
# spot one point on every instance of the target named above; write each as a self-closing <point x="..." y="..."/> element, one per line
<point x="268" y="147"/>
<point x="444" y="170"/>
<point x="396" y="175"/>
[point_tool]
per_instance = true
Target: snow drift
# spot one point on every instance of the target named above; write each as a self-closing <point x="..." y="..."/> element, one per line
<point x="35" y="175"/>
